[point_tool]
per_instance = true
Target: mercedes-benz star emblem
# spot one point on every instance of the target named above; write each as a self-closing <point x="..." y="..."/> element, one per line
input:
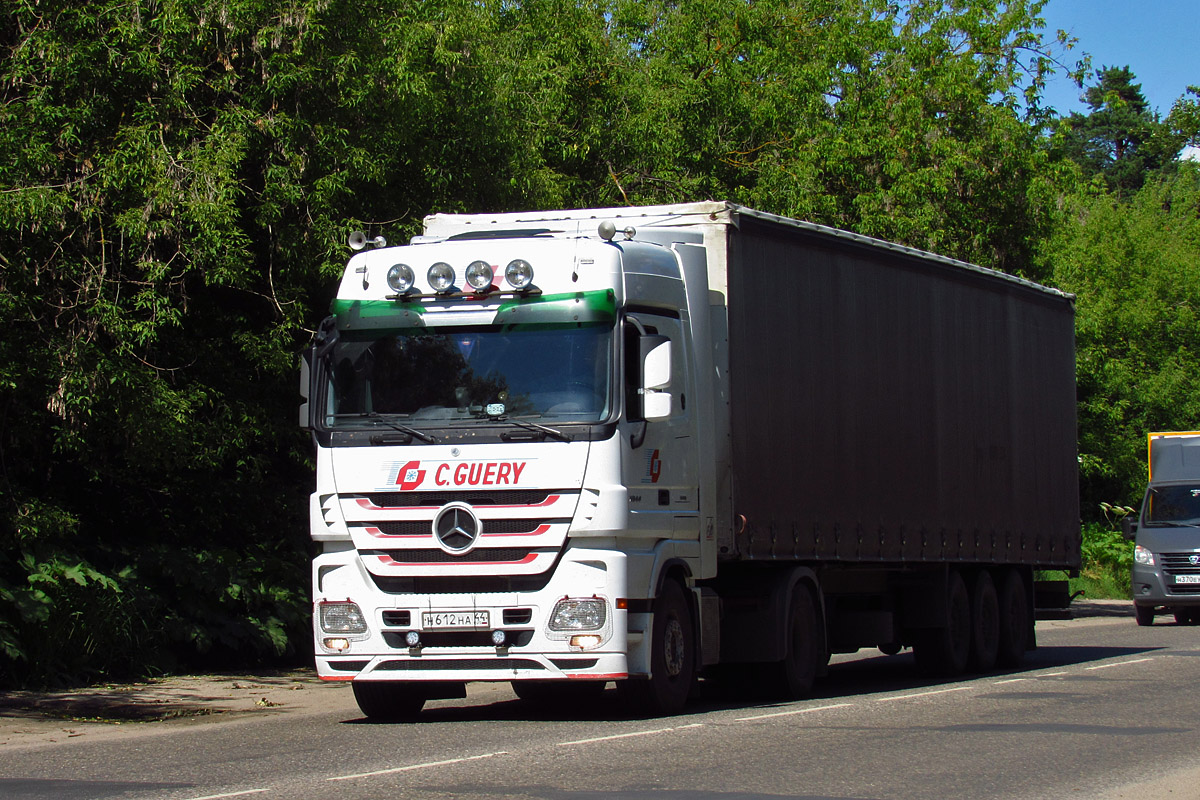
<point x="456" y="527"/>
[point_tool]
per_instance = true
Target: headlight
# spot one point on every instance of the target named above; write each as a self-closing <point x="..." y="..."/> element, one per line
<point x="518" y="273"/>
<point x="479" y="275"/>
<point x="1143" y="556"/>
<point x="441" y="277"/>
<point x="345" y="617"/>
<point x="573" y="614"/>
<point x="400" y="277"/>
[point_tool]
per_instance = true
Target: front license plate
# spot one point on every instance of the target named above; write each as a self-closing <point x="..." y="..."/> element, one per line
<point x="454" y="620"/>
<point x="1187" y="579"/>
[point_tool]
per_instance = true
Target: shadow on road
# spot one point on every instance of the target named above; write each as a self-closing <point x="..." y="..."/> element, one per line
<point x="864" y="675"/>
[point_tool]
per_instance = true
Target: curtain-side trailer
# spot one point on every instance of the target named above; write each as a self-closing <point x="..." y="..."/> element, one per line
<point x="645" y="444"/>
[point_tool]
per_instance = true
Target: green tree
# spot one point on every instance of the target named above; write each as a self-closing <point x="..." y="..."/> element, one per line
<point x="1135" y="267"/>
<point x="1118" y="138"/>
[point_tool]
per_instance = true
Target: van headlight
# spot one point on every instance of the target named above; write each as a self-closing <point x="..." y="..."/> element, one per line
<point x="1143" y="556"/>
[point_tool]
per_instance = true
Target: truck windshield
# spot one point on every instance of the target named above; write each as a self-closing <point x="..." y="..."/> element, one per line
<point x="546" y="371"/>
<point x="1173" y="505"/>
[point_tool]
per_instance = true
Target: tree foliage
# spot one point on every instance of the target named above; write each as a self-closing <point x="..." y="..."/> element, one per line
<point x="1135" y="268"/>
<point x="177" y="176"/>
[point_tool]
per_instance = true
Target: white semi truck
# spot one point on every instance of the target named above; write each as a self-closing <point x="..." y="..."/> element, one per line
<point x="646" y="444"/>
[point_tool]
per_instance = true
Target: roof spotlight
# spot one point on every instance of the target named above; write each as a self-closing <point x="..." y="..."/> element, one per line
<point x="479" y="275"/>
<point x="441" y="277"/>
<point x="400" y="277"/>
<point x="519" y="273"/>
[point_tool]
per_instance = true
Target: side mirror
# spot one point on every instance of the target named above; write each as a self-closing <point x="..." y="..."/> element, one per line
<point x="656" y="377"/>
<point x="1129" y="527"/>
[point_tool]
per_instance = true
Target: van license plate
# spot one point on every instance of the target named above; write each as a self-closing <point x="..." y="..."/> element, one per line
<point x="456" y="620"/>
<point x="1187" y="579"/>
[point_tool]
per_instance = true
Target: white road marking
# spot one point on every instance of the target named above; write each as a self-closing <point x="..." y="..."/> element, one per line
<point x="228" y="794"/>
<point x="1119" y="664"/>
<point x="411" y="767"/>
<point x="1010" y="680"/>
<point x="630" y="735"/>
<point x="923" y="694"/>
<point x="793" y="712"/>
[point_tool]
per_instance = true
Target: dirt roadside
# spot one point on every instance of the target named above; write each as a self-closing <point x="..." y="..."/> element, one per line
<point x="127" y="710"/>
<point x="102" y="712"/>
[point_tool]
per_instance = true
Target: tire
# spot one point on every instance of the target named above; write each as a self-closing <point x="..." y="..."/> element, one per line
<point x="1014" y="620"/>
<point x="891" y="648"/>
<point x="1144" y="615"/>
<point x="387" y="701"/>
<point x="552" y="693"/>
<point x="1187" y="616"/>
<point x="985" y="623"/>
<point x="943" y="652"/>
<point x="672" y="658"/>
<point x="793" y="677"/>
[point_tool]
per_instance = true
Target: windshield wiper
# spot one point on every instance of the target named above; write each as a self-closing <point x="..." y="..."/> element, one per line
<point x="391" y="423"/>
<point x="532" y="426"/>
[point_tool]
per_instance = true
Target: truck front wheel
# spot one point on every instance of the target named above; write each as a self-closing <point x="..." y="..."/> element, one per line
<point x="387" y="701"/>
<point x="672" y="658"/>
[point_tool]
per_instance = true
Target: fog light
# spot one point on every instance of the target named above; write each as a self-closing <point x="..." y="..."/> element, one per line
<point x="412" y="639"/>
<point x="340" y="645"/>
<point x="498" y="638"/>
<point x="585" y="642"/>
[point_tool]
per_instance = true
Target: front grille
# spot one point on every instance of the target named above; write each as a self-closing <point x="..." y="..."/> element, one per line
<point x="481" y="497"/>
<point x="1175" y="564"/>
<point x="459" y="584"/>
<point x="1180" y="562"/>
<point x="480" y="556"/>
<point x="492" y="526"/>
<point x="458" y="639"/>
<point x="461" y="663"/>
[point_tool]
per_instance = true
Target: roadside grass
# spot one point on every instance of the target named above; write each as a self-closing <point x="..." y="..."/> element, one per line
<point x="1107" y="558"/>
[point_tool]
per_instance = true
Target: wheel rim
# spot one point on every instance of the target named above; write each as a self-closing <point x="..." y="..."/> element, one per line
<point x="673" y="644"/>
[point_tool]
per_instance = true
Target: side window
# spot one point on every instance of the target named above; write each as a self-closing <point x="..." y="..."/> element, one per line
<point x="633" y="330"/>
<point x="637" y="325"/>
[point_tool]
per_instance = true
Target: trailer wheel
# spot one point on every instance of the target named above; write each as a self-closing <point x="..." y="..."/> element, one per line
<point x="944" y="651"/>
<point x="1014" y="620"/>
<point x="672" y="658"/>
<point x="792" y="678"/>
<point x="985" y="623"/>
<point x="386" y="701"/>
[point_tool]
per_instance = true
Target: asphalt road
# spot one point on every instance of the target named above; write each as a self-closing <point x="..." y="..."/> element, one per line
<point x="1103" y="709"/>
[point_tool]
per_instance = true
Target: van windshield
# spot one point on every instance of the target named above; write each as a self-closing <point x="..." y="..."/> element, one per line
<point x="1173" y="504"/>
<point x="558" y="372"/>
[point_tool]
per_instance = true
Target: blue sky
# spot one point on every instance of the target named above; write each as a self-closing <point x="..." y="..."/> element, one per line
<point x="1159" y="40"/>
